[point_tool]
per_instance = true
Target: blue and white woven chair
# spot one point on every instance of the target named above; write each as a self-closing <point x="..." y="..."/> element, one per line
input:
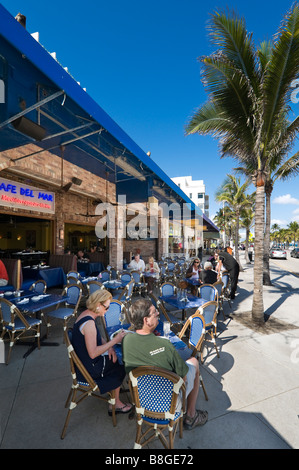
<point x="39" y="287"/>
<point x="209" y="311"/>
<point x="16" y="324"/>
<point x="219" y="287"/>
<point x="115" y="316"/>
<point x="168" y="288"/>
<point x="195" y="325"/>
<point x="82" y="384"/>
<point x="73" y="274"/>
<point x="92" y="286"/>
<point x="125" y="277"/>
<point x="73" y="293"/>
<point x="159" y="398"/>
<point x="208" y="292"/>
<point x="126" y="294"/>
<point x="105" y="276"/>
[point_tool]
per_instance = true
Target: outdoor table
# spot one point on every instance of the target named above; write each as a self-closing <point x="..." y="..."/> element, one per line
<point x="194" y="282"/>
<point x="35" y="304"/>
<point x="191" y="302"/>
<point x="52" y="276"/>
<point x="89" y="268"/>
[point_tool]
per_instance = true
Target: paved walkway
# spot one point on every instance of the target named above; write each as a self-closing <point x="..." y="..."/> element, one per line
<point x="253" y="388"/>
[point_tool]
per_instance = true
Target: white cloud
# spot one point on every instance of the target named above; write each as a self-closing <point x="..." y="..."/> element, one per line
<point x="279" y="222"/>
<point x="296" y="211"/>
<point x="286" y="199"/>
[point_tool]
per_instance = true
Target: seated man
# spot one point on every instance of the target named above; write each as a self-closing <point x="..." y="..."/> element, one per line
<point x="3" y="274"/>
<point x="208" y="276"/>
<point x="146" y="349"/>
<point x="137" y="264"/>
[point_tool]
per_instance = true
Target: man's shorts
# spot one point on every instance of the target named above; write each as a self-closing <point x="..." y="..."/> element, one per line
<point x="190" y="378"/>
<point x="189" y="384"/>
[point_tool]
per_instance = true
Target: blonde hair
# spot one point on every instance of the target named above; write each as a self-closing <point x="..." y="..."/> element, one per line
<point x="99" y="296"/>
<point x="151" y="259"/>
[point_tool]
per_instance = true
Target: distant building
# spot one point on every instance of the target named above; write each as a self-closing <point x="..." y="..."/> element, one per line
<point x="195" y="190"/>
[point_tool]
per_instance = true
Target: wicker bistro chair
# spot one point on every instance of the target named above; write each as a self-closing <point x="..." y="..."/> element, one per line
<point x="226" y="287"/>
<point x="164" y="314"/>
<point x="73" y="293"/>
<point x="140" y="286"/>
<point x="209" y="312"/>
<point x="39" y="287"/>
<point x="168" y="288"/>
<point x="86" y="388"/>
<point x="219" y="287"/>
<point x="74" y="274"/>
<point x="196" y="326"/>
<point x="159" y="409"/>
<point x="125" y="277"/>
<point x="116" y="315"/>
<point x="105" y="276"/>
<point x="16" y="325"/>
<point x="126" y="294"/>
<point x="92" y="286"/>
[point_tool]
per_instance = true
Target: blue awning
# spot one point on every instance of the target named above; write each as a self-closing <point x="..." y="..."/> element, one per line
<point x="68" y="120"/>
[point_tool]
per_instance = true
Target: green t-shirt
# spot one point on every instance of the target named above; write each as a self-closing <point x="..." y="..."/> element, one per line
<point x="151" y="350"/>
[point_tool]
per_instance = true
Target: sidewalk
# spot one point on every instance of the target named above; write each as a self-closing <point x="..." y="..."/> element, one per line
<point x="253" y="388"/>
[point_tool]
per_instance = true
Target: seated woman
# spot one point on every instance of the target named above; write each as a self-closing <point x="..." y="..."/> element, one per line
<point x="153" y="268"/>
<point x="193" y="274"/>
<point x="97" y="355"/>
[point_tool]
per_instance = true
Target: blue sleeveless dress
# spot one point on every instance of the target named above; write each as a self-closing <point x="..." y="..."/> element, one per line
<point x="107" y="374"/>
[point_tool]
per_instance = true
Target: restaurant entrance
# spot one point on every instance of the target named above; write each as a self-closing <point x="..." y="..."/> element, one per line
<point x="25" y="237"/>
<point x="83" y="237"/>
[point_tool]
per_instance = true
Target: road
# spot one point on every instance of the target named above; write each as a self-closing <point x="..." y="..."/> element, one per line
<point x="290" y="264"/>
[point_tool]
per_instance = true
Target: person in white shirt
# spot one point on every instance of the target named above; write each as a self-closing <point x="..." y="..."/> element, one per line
<point x="137" y="264"/>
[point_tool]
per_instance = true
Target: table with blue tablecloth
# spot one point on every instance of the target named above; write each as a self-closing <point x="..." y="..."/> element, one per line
<point x="52" y="276"/>
<point x="190" y="301"/>
<point x="87" y="269"/>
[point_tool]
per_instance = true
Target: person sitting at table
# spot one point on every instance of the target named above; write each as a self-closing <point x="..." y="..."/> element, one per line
<point x="146" y="349"/>
<point x="137" y="264"/>
<point x="82" y="256"/>
<point x="3" y="274"/>
<point x="193" y="274"/>
<point x="208" y="276"/>
<point x="153" y="268"/>
<point x="97" y="355"/>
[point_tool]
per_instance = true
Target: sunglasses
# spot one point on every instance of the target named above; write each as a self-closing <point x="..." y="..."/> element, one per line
<point x="105" y="307"/>
<point x="196" y="262"/>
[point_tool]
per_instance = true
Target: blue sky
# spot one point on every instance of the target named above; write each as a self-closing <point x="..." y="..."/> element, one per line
<point x="138" y="61"/>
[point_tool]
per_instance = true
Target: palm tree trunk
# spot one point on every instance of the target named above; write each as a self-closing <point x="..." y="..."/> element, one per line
<point x="237" y="240"/>
<point x="257" y="303"/>
<point x="266" y="273"/>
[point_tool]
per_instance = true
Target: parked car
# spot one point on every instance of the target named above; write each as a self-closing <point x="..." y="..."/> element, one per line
<point x="295" y="253"/>
<point x="278" y="253"/>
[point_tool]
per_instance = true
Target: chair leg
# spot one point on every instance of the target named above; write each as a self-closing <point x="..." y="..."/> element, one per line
<point x="203" y="387"/>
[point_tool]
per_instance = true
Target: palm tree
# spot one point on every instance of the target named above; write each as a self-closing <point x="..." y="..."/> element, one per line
<point x="294" y="230"/>
<point x="249" y="91"/>
<point x="234" y="193"/>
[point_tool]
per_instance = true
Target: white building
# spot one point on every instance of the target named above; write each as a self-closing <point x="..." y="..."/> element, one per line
<point x="195" y="190"/>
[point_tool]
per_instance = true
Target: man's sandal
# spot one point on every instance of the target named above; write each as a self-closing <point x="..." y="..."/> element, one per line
<point x="200" y="418"/>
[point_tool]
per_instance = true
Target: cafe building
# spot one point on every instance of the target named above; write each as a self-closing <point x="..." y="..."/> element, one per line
<point x="70" y="177"/>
